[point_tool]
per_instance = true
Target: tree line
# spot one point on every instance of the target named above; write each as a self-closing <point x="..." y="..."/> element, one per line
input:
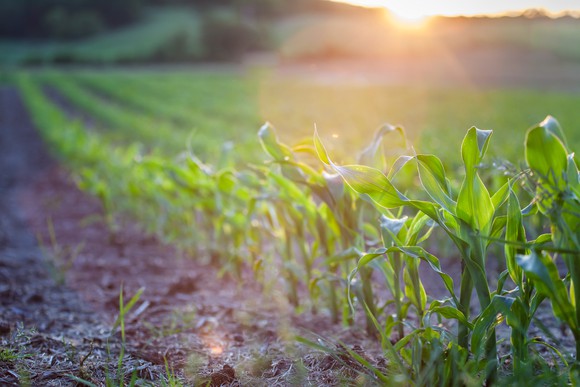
<point x="71" y="19"/>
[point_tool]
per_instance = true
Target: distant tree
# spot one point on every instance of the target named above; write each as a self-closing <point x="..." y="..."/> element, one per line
<point x="64" y="19"/>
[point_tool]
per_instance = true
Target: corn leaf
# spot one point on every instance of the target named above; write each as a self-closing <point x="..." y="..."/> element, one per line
<point x="474" y="147"/>
<point x="474" y="205"/>
<point x="433" y="261"/>
<point x="414" y="288"/>
<point x="390" y="229"/>
<point x="553" y="126"/>
<point x="372" y="182"/>
<point x="547" y="157"/>
<point x="448" y="311"/>
<point x="271" y="145"/>
<point x="514" y="233"/>
<point x="501" y="195"/>
<point x="540" y="268"/>
<point x="500" y="306"/>
<point x="433" y="179"/>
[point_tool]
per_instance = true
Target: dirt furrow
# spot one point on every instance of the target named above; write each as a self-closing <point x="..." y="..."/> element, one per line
<point x="46" y="330"/>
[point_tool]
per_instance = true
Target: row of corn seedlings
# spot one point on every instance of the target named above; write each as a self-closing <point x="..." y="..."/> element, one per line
<point x="328" y="234"/>
<point x="137" y="111"/>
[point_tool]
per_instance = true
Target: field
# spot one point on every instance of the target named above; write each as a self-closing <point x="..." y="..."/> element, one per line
<point x="190" y="106"/>
<point x="318" y="217"/>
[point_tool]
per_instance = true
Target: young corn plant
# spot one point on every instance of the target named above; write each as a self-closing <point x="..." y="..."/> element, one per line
<point x="468" y="218"/>
<point x="336" y="223"/>
<point x="400" y="268"/>
<point x="520" y="304"/>
<point x="297" y="217"/>
<point x="555" y="172"/>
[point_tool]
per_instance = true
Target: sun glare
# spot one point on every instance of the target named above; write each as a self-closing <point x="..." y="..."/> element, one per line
<point x="408" y="17"/>
<point x="414" y="11"/>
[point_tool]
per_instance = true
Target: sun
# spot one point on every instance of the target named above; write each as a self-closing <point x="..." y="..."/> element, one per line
<point x="408" y="15"/>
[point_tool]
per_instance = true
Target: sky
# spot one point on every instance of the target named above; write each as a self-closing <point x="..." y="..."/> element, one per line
<point x="422" y="8"/>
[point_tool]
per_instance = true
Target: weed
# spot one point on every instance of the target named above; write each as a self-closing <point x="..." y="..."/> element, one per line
<point x="61" y="258"/>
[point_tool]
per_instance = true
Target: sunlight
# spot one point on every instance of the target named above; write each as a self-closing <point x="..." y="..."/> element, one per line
<point x="408" y="16"/>
<point x="414" y="9"/>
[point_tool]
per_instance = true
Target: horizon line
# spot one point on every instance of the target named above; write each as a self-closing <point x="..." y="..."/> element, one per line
<point x="539" y="11"/>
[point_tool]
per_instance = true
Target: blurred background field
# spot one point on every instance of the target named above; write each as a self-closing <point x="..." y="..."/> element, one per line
<point x="205" y="108"/>
<point x="202" y="74"/>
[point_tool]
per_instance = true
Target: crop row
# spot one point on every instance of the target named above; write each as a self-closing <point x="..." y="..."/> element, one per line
<point x="219" y="106"/>
<point x="328" y="233"/>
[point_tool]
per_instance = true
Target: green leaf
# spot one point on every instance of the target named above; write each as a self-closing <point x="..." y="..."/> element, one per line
<point x="364" y="180"/>
<point x="363" y="261"/>
<point x="573" y="175"/>
<point x="418" y="222"/>
<point x="497" y="228"/>
<point x="501" y="195"/>
<point x="433" y="261"/>
<point x="124" y="309"/>
<point x="552" y="125"/>
<point x="414" y="288"/>
<point x="372" y="182"/>
<point x="390" y="229"/>
<point x="547" y="157"/>
<point x="398" y="165"/>
<point x="288" y="188"/>
<point x="474" y="147"/>
<point x="499" y="305"/>
<point x="348" y="255"/>
<point x="540" y="268"/>
<point x="514" y="233"/>
<point x="474" y="205"/>
<point x="320" y="149"/>
<point x="370" y="155"/>
<point x="226" y="181"/>
<point x="271" y="145"/>
<point x="448" y="311"/>
<point x="432" y="175"/>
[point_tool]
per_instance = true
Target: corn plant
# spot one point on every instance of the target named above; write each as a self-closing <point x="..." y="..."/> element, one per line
<point x="555" y="172"/>
<point x="299" y="218"/>
<point x="468" y="218"/>
<point x="336" y="222"/>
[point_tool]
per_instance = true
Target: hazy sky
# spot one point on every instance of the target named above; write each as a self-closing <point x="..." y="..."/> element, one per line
<point x="419" y="8"/>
